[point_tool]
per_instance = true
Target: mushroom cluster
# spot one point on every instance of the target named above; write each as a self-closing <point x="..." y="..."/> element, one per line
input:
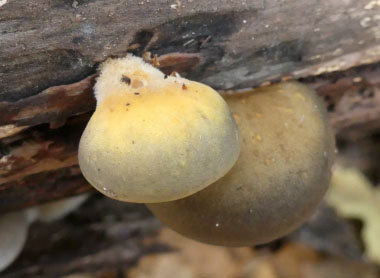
<point x="174" y="144"/>
<point x="281" y="175"/>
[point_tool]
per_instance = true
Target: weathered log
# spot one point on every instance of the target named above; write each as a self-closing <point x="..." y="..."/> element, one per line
<point x="40" y="164"/>
<point x="352" y="91"/>
<point x="240" y="43"/>
<point x="47" y="44"/>
<point x="49" y="52"/>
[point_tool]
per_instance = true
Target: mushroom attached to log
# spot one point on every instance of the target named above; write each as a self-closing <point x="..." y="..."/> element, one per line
<point x="153" y="137"/>
<point x="281" y="175"/>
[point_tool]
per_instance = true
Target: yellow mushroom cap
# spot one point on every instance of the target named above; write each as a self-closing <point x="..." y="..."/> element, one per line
<point x="155" y="138"/>
<point x="281" y="175"/>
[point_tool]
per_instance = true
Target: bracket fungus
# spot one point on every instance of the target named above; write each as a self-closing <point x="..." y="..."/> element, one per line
<point x="281" y="175"/>
<point x="153" y="137"/>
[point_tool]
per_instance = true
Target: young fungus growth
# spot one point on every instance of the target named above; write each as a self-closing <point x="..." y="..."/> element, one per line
<point x="280" y="177"/>
<point x="155" y="138"/>
<point x="14" y="226"/>
<point x="13" y="233"/>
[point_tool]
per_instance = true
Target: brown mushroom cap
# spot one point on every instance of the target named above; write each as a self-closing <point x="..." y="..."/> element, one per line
<point x="155" y="138"/>
<point x="281" y="175"/>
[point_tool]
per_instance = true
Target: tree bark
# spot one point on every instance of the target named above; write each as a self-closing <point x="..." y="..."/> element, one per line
<point x="50" y="50"/>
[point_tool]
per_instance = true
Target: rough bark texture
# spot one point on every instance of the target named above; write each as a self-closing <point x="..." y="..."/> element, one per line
<point x="50" y="49"/>
<point x="40" y="164"/>
<point x="241" y="43"/>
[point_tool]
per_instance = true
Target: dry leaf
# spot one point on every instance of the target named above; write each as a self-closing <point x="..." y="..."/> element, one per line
<point x="353" y="196"/>
<point x="191" y="259"/>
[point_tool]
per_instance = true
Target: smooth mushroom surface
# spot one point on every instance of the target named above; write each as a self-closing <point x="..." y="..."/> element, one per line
<point x="57" y="210"/>
<point x="13" y="233"/>
<point x="281" y="175"/>
<point x="153" y="137"/>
